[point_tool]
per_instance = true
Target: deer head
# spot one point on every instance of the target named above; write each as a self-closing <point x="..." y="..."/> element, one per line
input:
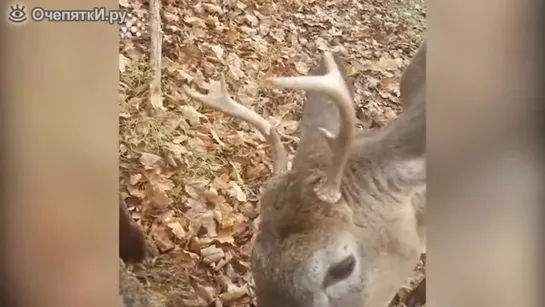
<point x="343" y="226"/>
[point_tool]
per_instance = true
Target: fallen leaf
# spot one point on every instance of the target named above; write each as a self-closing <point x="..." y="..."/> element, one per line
<point x="177" y="230"/>
<point x="191" y="114"/>
<point x="136" y="192"/>
<point x="321" y="44"/>
<point x="171" y="17"/>
<point x="158" y="199"/>
<point x="209" y="223"/>
<point x="218" y="51"/>
<point x="237" y="191"/>
<point x="193" y="191"/>
<point x="213" y="197"/>
<point x="212" y="254"/>
<point x="232" y="36"/>
<point x="162" y="238"/>
<point x="234" y="293"/>
<point x="207" y="293"/>
<point x="216" y="137"/>
<point x="179" y="139"/>
<point x="223" y="262"/>
<point x="352" y="71"/>
<point x="149" y="159"/>
<point x="211" y="8"/>
<point x="390" y="64"/>
<point x="301" y="67"/>
<point x="252" y="20"/>
<point x="236" y="72"/>
<point x="124" y="3"/>
<point x="184" y="258"/>
<point x="134" y="179"/>
<point x="123" y="63"/>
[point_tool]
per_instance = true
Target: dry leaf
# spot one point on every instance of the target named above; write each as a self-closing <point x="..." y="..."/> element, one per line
<point x="179" y="139"/>
<point x="207" y="293"/>
<point x="216" y="137"/>
<point x="252" y="20"/>
<point x="177" y="230"/>
<point x="212" y="254"/>
<point x="124" y="3"/>
<point x="171" y="17"/>
<point x="352" y="71"/>
<point x="184" y="258"/>
<point x="301" y="67"/>
<point x="390" y="64"/>
<point x="225" y="238"/>
<point x="123" y="63"/>
<point x="191" y="114"/>
<point x="162" y="238"/>
<point x="193" y="191"/>
<point x="149" y="159"/>
<point x="234" y="293"/>
<point x="134" y="179"/>
<point x="237" y="191"/>
<point x="209" y="223"/>
<point x="213" y="197"/>
<point x="232" y="36"/>
<point x="136" y="192"/>
<point x="218" y="51"/>
<point x="321" y="44"/>
<point x="158" y="199"/>
<point x="211" y="8"/>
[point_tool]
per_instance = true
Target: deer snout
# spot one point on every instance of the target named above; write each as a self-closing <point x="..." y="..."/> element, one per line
<point x="332" y="274"/>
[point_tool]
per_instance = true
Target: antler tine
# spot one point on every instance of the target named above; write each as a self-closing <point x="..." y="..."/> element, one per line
<point x="218" y="98"/>
<point x="332" y="84"/>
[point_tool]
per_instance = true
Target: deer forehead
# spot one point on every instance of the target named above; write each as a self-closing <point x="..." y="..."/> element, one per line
<point x="292" y="199"/>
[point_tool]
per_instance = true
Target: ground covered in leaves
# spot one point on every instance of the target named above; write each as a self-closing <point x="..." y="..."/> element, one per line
<point x="192" y="176"/>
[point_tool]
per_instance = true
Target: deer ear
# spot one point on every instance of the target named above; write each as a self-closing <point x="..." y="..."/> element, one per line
<point x="319" y="112"/>
<point x="344" y="73"/>
<point x="412" y="77"/>
<point x="321" y="69"/>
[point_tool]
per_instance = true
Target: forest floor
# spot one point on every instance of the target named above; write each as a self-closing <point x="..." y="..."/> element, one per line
<point x="192" y="176"/>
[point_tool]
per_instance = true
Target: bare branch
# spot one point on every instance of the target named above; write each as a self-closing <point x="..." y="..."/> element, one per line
<point x="332" y="84"/>
<point x="156" y="94"/>
<point x="218" y="98"/>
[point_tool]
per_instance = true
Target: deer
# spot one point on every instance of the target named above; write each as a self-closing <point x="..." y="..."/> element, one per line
<point x="344" y="226"/>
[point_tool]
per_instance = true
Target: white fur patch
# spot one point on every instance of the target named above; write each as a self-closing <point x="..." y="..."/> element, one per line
<point x="412" y="169"/>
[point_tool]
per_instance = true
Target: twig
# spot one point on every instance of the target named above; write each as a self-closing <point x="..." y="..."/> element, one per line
<point x="156" y="94"/>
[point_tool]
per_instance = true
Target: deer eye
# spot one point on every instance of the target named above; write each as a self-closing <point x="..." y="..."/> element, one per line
<point x="342" y="269"/>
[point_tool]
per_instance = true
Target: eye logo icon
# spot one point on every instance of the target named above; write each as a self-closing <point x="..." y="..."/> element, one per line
<point x="17" y="13"/>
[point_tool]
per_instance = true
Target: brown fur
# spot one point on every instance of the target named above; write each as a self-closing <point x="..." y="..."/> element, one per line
<point x="132" y="243"/>
<point x="417" y="297"/>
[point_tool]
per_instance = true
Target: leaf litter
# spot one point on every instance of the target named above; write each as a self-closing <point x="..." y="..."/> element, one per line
<point x="195" y="175"/>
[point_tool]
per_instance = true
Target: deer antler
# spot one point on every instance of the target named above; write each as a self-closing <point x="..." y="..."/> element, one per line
<point x="218" y="98"/>
<point x="332" y="84"/>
